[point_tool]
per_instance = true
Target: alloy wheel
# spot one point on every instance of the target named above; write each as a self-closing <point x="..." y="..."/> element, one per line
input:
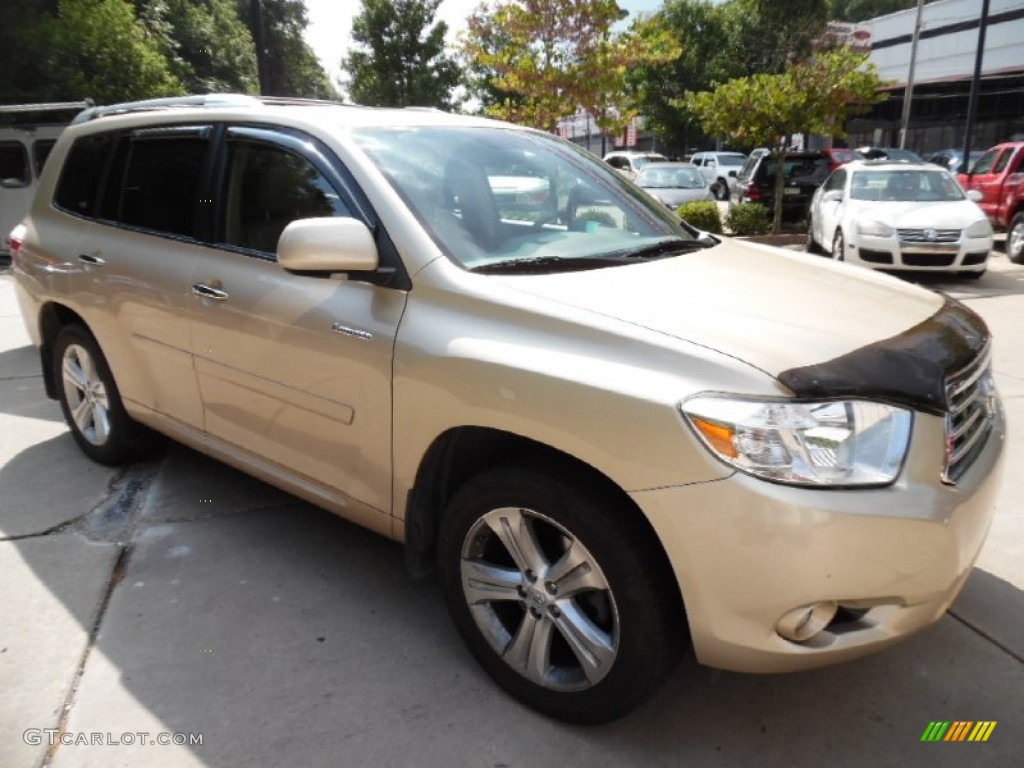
<point x="86" y="395"/>
<point x="540" y="599"/>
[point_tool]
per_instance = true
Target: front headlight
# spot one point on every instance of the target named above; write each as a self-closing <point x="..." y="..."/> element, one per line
<point x="827" y="443"/>
<point x="980" y="228"/>
<point x="874" y="228"/>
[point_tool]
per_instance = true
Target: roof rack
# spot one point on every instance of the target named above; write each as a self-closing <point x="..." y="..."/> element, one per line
<point x="52" y="106"/>
<point x="206" y="100"/>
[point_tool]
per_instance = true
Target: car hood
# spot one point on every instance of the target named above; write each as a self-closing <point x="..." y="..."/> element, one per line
<point x="773" y="309"/>
<point x="957" y="214"/>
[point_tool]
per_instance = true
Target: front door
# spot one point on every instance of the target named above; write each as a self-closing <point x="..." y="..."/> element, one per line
<point x="295" y="369"/>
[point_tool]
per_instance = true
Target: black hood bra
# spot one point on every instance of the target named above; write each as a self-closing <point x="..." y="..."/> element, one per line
<point x="907" y="369"/>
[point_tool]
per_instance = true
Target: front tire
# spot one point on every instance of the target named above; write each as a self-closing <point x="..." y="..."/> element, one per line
<point x="1015" y="239"/>
<point x="839" y="246"/>
<point x="90" y="400"/>
<point x="560" y="593"/>
<point x="812" y="245"/>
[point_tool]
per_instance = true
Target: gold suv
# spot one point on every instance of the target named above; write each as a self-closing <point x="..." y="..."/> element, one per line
<point x="608" y="431"/>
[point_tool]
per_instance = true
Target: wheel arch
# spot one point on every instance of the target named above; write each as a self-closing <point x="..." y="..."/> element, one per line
<point x="462" y="452"/>
<point x="52" y="318"/>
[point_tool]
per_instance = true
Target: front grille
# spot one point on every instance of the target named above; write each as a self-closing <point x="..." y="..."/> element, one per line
<point x="929" y="235"/>
<point x="970" y="407"/>
<point x="928" y="259"/>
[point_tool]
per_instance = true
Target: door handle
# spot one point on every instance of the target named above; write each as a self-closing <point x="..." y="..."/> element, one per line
<point x="204" y="291"/>
<point x="88" y="258"/>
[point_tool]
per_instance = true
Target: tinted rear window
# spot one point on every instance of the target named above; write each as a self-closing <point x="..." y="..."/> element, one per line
<point x="82" y="173"/>
<point x="162" y="184"/>
<point x="809" y="169"/>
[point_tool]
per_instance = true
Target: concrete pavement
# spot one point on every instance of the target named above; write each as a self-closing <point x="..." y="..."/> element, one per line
<point x="181" y="597"/>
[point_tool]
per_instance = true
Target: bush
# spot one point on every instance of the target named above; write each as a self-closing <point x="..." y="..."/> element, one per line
<point x="702" y="214"/>
<point x="748" y="219"/>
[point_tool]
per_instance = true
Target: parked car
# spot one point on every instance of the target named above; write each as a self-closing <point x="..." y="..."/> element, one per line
<point x="889" y="153"/>
<point x="584" y="421"/>
<point x="840" y="156"/>
<point x="630" y="163"/>
<point x="24" y="147"/>
<point x="952" y="159"/>
<point x="718" y="168"/>
<point x="674" y="183"/>
<point x="803" y="174"/>
<point x="900" y="216"/>
<point x="998" y="177"/>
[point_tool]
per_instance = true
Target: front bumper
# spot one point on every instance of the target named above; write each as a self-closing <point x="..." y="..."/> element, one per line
<point x="747" y="552"/>
<point x="968" y="254"/>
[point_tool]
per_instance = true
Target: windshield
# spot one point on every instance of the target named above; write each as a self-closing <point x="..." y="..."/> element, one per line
<point x="665" y="176"/>
<point x="905" y="186"/>
<point x="490" y="195"/>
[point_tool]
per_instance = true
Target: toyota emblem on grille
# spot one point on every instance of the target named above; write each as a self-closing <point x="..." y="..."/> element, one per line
<point x="930" y="235"/>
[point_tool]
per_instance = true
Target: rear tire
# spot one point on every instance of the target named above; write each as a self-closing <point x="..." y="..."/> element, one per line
<point x="1015" y="239"/>
<point x="91" y="402"/>
<point x="558" y="593"/>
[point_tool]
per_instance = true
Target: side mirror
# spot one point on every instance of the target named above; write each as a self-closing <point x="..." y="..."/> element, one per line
<point x="974" y="196"/>
<point x="832" y="196"/>
<point x="327" y="245"/>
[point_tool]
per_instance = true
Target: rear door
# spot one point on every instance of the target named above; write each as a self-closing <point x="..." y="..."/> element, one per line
<point x="140" y="192"/>
<point x="294" y="368"/>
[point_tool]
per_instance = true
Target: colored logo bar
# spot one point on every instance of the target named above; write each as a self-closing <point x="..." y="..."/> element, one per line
<point x="958" y="730"/>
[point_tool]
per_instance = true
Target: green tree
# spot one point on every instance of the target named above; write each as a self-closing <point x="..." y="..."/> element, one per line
<point x="810" y="97"/>
<point x="292" y="67"/>
<point x="52" y="51"/>
<point x="557" y="56"/>
<point x="861" y="10"/>
<point x="208" y="46"/>
<point x="399" y="57"/>
<point x="766" y="36"/>
<point x="656" y="89"/>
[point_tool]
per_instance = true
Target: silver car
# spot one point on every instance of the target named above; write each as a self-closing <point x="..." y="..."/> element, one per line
<point x="674" y="183"/>
<point x="610" y="435"/>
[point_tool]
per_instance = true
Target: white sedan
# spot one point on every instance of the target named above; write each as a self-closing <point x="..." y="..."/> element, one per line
<point x="898" y="215"/>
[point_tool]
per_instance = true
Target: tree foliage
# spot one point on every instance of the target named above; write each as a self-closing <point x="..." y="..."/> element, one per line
<point x="815" y="96"/>
<point x="292" y="67"/>
<point x="52" y="51"/>
<point x="861" y="10"/>
<point x="208" y="46"/>
<point x="545" y="59"/>
<point x="399" y="58"/>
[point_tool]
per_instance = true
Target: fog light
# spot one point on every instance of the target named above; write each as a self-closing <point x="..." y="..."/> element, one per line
<point x="803" y="623"/>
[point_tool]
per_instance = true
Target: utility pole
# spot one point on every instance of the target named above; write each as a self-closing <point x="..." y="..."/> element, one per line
<point x="908" y="92"/>
<point x="256" y="10"/>
<point x="972" y="101"/>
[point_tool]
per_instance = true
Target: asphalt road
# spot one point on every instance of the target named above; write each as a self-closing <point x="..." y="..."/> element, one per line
<point x="180" y="599"/>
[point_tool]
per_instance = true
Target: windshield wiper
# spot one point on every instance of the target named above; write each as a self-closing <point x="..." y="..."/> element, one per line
<point x="550" y="263"/>
<point x="664" y="248"/>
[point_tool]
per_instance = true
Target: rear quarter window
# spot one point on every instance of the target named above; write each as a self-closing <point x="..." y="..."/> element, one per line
<point x="82" y="174"/>
<point x="14" y="170"/>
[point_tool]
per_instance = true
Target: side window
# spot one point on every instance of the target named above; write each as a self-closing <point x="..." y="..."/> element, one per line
<point x="162" y="182"/>
<point x="984" y="164"/>
<point x="268" y="188"/>
<point x="836" y="181"/>
<point x="81" y="175"/>
<point x="41" y="151"/>
<point x="1004" y="158"/>
<point x="14" y="170"/>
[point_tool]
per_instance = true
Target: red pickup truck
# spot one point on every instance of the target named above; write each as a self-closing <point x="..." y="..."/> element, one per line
<point x="999" y="177"/>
